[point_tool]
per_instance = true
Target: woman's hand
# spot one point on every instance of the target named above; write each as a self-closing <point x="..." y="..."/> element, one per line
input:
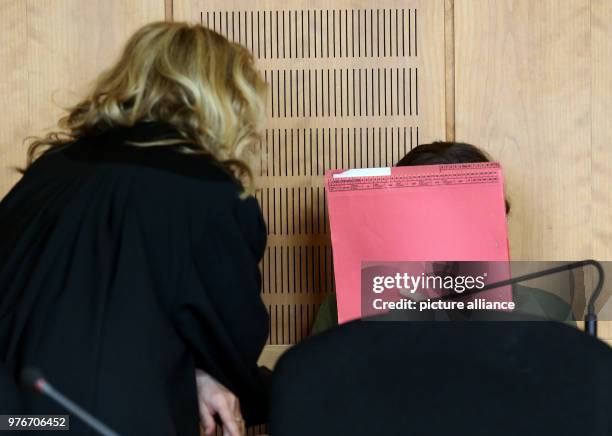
<point x="216" y="400"/>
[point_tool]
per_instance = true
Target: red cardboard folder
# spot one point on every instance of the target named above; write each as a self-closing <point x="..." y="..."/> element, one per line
<point x="419" y="213"/>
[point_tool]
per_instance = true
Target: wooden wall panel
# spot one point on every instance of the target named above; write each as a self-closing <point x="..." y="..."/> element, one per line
<point x="601" y="147"/>
<point x="14" y="123"/>
<point x="353" y="85"/>
<point x="523" y="92"/>
<point x="51" y="49"/>
<point x="601" y="94"/>
<point x="534" y="86"/>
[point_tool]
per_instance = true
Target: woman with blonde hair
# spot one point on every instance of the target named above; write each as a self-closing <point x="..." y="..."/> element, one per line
<point x="130" y="247"/>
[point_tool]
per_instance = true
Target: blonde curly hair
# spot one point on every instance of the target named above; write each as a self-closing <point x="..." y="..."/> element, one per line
<point x="186" y="76"/>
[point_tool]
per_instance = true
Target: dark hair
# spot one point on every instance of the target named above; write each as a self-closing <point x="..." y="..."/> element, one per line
<point x="437" y="153"/>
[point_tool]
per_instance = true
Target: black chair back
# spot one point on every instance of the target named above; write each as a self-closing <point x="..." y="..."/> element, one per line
<point x="444" y="378"/>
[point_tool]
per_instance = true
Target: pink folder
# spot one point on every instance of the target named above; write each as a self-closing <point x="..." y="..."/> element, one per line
<point x="418" y="213"/>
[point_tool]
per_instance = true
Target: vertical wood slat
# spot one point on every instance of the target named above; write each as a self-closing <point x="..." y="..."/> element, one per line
<point x="601" y="94"/>
<point x="319" y="33"/>
<point x="343" y="92"/>
<point x="601" y="147"/>
<point x="169" y="10"/>
<point x="311" y="151"/>
<point x="449" y="60"/>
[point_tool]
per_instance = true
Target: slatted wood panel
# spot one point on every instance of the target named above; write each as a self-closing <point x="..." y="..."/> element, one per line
<point x="352" y="84"/>
<point x="50" y="50"/>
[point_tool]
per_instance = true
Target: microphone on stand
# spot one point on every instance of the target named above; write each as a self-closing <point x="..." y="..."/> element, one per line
<point x="590" y="318"/>
<point x="33" y="378"/>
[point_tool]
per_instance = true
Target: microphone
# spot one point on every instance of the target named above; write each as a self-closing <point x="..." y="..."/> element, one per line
<point x="590" y="318"/>
<point x="33" y="378"/>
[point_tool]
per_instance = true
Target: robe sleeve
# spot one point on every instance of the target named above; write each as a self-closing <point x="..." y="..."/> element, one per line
<point x="220" y="313"/>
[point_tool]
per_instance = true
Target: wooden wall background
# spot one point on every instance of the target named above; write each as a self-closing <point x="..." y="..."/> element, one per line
<point x="350" y="86"/>
<point x="50" y="50"/>
<point x="357" y="83"/>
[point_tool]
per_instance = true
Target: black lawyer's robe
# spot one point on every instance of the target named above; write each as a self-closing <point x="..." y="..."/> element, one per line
<point x="122" y="269"/>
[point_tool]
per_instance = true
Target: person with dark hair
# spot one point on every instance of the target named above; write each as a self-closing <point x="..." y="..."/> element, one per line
<point x="439" y="153"/>
<point x="531" y="301"/>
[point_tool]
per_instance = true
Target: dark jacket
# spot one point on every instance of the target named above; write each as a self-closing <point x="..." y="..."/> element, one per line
<point x="444" y="378"/>
<point x="123" y="269"/>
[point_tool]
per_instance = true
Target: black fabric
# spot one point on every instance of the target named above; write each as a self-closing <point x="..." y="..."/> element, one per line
<point x="9" y="398"/>
<point x="123" y="269"/>
<point x="444" y="378"/>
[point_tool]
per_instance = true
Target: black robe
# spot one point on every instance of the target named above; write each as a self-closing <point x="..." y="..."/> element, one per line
<point x="124" y="268"/>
